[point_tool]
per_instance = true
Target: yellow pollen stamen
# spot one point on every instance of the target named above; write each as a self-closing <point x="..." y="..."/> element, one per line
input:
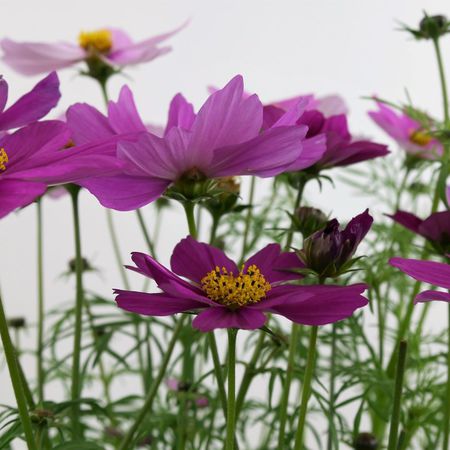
<point x="235" y="291"/>
<point x="100" y="40"/>
<point x="420" y="138"/>
<point x="3" y="159"/>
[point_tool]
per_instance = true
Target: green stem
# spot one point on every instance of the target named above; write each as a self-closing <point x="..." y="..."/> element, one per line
<point x="214" y="226"/>
<point x="231" y="404"/>
<point x="395" y="419"/>
<point x="189" y="210"/>
<point x="41" y="316"/>
<point x="437" y="50"/>
<point x="104" y="90"/>
<point x="148" y="403"/>
<point x="248" y="217"/>
<point x="14" y="373"/>
<point x="306" y="389"/>
<point x="76" y="372"/>
<point x="445" y="444"/>
<point x="145" y="233"/>
<point x="298" y="199"/>
<point x="331" y="428"/>
<point x="218" y="371"/>
<point x="284" y="403"/>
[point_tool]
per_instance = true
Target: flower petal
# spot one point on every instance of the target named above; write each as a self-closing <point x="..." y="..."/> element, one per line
<point x="3" y="93"/>
<point x="429" y="296"/>
<point x="34" y="105"/>
<point x="428" y="271"/>
<point x="181" y="114"/>
<point x="17" y="194"/>
<point x="153" y="304"/>
<point x="313" y="149"/>
<point x="193" y="260"/>
<point x="221" y="317"/>
<point x="408" y="220"/>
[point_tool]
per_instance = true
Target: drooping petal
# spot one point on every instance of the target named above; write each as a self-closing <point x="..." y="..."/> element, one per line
<point x="266" y="155"/>
<point x="436" y="227"/>
<point x="221" y="317"/>
<point x="225" y="119"/>
<point x="193" y="260"/>
<point x="3" y="93"/>
<point x="17" y="194"/>
<point x="313" y="150"/>
<point x="87" y="124"/>
<point x="324" y="304"/>
<point x="428" y="271"/>
<point x="123" y="115"/>
<point x="358" y="151"/>
<point x="408" y="220"/>
<point x="30" y="58"/>
<point x="181" y="114"/>
<point x="429" y="296"/>
<point x="154" y="304"/>
<point x="34" y="105"/>
<point x="125" y="192"/>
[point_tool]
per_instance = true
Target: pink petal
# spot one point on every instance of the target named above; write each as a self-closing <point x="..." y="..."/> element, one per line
<point x="3" y="93"/>
<point x="408" y="220"/>
<point x="313" y="150"/>
<point x="429" y="296"/>
<point x="17" y="194"/>
<point x="181" y="114"/>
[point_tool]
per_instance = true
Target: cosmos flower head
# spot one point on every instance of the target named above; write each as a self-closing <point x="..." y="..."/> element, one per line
<point x="328" y="252"/>
<point x="223" y="139"/>
<point x="407" y="132"/>
<point x="435" y="228"/>
<point x="32" y="106"/>
<point x="432" y="272"/>
<point x="111" y="46"/>
<point x="204" y="281"/>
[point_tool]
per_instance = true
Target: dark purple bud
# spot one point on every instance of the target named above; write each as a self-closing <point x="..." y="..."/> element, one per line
<point x="365" y="441"/>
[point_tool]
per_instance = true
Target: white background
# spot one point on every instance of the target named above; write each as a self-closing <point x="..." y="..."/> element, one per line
<point x="283" y="48"/>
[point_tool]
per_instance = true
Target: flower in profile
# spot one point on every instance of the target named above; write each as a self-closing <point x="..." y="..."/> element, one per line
<point x="431" y="272"/>
<point x="111" y="46"/>
<point x="225" y="296"/>
<point x="407" y="132"/>
<point x="435" y="228"/>
<point x="328" y="252"/>
<point x="223" y="140"/>
<point x="30" y="107"/>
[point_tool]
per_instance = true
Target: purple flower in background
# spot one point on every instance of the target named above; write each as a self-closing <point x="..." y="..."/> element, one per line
<point x="435" y="228"/>
<point x="30" y="107"/>
<point x="407" y="132"/>
<point x="327" y="123"/>
<point x="110" y="45"/>
<point x="223" y="139"/>
<point x="228" y="297"/>
<point x="429" y="272"/>
<point x="328" y="252"/>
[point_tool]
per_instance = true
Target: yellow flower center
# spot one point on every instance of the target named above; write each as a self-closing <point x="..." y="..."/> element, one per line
<point x="420" y="138"/>
<point x="235" y="291"/>
<point x="3" y="159"/>
<point x="100" y="40"/>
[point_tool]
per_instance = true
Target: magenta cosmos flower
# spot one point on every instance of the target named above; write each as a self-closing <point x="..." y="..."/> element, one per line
<point x="223" y="139"/>
<point x="30" y="107"/>
<point x="113" y="46"/>
<point x="34" y="157"/>
<point x="225" y="296"/>
<point x="326" y="119"/>
<point x="435" y="228"/>
<point x="429" y="272"/>
<point x="407" y="132"/>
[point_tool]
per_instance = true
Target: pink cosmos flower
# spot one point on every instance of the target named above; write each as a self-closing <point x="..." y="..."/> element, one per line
<point x="428" y="271"/>
<point x="435" y="228"/>
<point x="111" y="45"/>
<point x="30" y="107"/>
<point x="407" y="132"/>
<point x="223" y="139"/>
<point x="225" y="296"/>
<point x="327" y="122"/>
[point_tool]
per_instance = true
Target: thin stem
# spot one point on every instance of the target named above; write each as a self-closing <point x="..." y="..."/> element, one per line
<point x="104" y="90"/>
<point x="14" y="373"/>
<point x="189" y="210"/>
<point x="437" y="50"/>
<point x="248" y="217"/>
<point x="148" y="403"/>
<point x="445" y="444"/>
<point x="306" y="389"/>
<point x="116" y="249"/>
<point x="145" y="233"/>
<point x="41" y="316"/>
<point x="231" y="404"/>
<point x="214" y="226"/>
<point x="76" y="371"/>
<point x="218" y="371"/>
<point x="298" y="199"/>
<point x="331" y="428"/>
<point x="284" y="403"/>
<point x="395" y="418"/>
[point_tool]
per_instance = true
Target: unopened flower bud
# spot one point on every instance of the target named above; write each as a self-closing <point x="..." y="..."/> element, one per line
<point x="84" y="264"/>
<point x="224" y="196"/>
<point x="365" y="441"/>
<point x="308" y="220"/>
<point x="41" y="416"/>
<point x="17" y="322"/>
<point x="433" y="27"/>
